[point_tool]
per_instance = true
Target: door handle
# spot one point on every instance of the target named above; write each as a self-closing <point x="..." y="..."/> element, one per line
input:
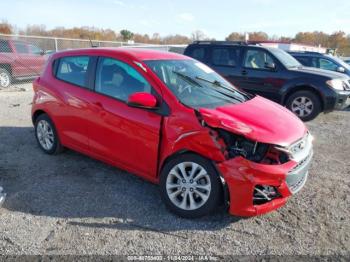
<point x="244" y="72"/>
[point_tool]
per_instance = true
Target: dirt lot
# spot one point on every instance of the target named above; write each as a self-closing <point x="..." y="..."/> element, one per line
<point x="71" y="204"/>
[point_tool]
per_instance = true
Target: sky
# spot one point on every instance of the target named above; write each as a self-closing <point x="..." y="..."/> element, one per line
<point x="216" y="19"/>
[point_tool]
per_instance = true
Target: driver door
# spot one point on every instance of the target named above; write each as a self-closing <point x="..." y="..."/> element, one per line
<point x="118" y="133"/>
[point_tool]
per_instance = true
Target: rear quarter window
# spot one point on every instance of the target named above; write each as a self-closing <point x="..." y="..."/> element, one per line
<point x="73" y="69"/>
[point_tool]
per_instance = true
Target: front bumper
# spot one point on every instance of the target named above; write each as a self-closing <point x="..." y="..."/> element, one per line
<point x="342" y="100"/>
<point x="243" y="176"/>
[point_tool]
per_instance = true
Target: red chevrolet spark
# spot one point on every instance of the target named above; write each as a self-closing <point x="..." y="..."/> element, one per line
<point x="173" y="121"/>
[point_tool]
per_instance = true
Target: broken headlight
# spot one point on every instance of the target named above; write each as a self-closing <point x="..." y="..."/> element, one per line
<point x="240" y="146"/>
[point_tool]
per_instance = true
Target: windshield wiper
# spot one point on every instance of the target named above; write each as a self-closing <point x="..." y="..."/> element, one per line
<point x="188" y="78"/>
<point x="218" y="83"/>
<point x="192" y="80"/>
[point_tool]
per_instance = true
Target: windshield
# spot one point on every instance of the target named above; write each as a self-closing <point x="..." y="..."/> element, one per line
<point x="286" y="59"/>
<point x="195" y="84"/>
<point x="341" y="62"/>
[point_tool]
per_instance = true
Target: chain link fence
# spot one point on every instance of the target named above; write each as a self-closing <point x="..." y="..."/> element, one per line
<point x="22" y="58"/>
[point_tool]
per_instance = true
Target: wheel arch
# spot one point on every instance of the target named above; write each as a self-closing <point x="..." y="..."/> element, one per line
<point x="224" y="187"/>
<point x="37" y="113"/>
<point x="309" y="88"/>
<point x="7" y="67"/>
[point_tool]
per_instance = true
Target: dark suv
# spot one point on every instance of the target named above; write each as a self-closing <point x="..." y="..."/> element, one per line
<point x="273" y="73"/>
<point x="322" y="61"/>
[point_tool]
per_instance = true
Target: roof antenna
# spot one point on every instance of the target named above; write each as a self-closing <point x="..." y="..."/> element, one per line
<point x="91" y="43"/>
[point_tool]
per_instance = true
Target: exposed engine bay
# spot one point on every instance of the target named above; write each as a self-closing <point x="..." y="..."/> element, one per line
<point x="236" y="145"/>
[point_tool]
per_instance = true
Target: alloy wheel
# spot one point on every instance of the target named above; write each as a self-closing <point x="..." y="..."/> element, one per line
<point x="188" y="186"/>
<point x="302" y="106"/>
<point x="4" y="79"/>
<point x="45" y="134"/>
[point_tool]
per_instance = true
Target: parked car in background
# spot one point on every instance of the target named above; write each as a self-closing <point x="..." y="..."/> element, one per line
<point x="347" y="60"/>
<point x="322" y="61"/>
<point x="19" y="60"/>
<point x="173" y="121"/>
<point x="274" y="74"/>
<point x="2" y="196"/>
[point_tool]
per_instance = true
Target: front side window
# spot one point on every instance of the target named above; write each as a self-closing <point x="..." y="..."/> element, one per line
<point x="257" y="59"/>
<point x="327" y="64"/>
<point x="21" y="48"/>
<point x="225" y="56"/>
<point x="119" y="80"/>
<point x="195" y="84"/>
<point x="5" y="47"/>
<point x="73" y="69"/>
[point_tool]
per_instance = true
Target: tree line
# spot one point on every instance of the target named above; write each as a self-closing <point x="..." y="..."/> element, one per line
<point x="339" y="40"/>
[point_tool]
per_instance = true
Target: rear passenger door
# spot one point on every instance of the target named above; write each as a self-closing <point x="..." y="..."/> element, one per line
<point x="225" y="60"/>
<point x="72" y="113"/>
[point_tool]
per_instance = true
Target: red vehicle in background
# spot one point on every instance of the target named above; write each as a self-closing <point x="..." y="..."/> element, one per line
<point x="19" y="60"/>
<point x="173" y="121"/>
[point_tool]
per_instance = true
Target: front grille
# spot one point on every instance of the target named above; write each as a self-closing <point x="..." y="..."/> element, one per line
<point x="300" y="164"/>
<point x="296" y="178"/>
<point x="298" y="184"/>
<point x="346" y="85"/>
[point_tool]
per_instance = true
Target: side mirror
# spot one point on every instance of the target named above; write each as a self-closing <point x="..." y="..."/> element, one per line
<point x="270" y="66"/>
<point x="42" y="52"/>
<point x="341" y="69"/>
<point x="143" y="100"/>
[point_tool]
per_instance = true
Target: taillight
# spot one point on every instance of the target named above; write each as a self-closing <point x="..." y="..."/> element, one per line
<point x="36" y="83"/>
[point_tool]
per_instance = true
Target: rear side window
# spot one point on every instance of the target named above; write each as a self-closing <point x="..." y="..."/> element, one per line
<point x="73" y="69"/>
<point x="306" y="61"/>
<point x="5" y="47"/>
<point x="198" y="53"/>
<point x="118" y="79"/>
<point x="225" y="56"/>
<point x="21" y="48"/>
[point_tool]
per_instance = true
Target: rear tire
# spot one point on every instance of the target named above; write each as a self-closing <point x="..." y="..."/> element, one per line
<point x="46" y="135"/>
<point x="190" y="186"/>
<point x="305" y="104"/>
<point x="5" y="78"/>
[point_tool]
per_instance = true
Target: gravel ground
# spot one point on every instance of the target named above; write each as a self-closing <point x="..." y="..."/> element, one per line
<point x="72" y="204"/>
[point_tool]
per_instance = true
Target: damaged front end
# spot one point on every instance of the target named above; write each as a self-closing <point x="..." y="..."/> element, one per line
<point x="259" y="176"/>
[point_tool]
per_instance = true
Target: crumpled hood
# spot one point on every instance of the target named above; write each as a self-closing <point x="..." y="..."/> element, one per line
<point x="257" y="119"/>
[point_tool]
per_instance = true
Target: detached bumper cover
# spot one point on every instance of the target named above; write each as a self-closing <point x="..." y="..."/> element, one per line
<point x="242" y="176"/>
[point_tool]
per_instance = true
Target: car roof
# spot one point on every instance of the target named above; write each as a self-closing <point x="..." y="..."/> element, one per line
<point x="140" y="54"/>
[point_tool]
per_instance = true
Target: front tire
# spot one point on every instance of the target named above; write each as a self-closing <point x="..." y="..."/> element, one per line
<point x="305" y="104"/>
<point x="190" y="186"/>
<point x="46" y="135"/>
<point x="5" y="78"/>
